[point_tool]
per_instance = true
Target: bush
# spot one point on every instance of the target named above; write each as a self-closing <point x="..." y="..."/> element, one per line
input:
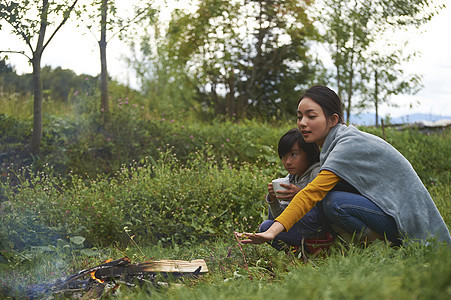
<point x="86" y="146"/>
<point x="159" y="200"/>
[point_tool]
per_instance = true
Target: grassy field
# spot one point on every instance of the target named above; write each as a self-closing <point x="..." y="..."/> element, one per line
<point x="162" y="188"/>
<point x="347" y="272"/>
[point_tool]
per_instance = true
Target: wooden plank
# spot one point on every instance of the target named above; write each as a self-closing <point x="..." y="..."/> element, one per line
<point x="173" y="266"/>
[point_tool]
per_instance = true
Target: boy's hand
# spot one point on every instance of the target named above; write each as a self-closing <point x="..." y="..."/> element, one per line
<point x="271" y="193"/>
<point x="287" y="195"/>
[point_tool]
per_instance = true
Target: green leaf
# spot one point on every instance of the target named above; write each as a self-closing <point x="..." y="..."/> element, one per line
<point x="77" y="240"/>
<point x="88" y="252"/>
<point x="60" y="243"/>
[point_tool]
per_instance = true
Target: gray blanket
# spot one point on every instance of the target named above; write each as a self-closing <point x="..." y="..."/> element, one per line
<point x="380" y="173"/>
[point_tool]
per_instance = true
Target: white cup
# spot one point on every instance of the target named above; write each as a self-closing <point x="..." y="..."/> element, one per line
<point x="277" y="187"/>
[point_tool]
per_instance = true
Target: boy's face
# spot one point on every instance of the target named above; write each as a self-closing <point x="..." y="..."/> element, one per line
<point x="295" y="161"/>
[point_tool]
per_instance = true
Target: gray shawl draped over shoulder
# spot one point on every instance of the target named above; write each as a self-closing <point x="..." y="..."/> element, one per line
<point x="380" y="173"/>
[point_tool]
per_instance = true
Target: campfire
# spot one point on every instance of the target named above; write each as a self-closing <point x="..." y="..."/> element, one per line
<point x="108" y="276"/>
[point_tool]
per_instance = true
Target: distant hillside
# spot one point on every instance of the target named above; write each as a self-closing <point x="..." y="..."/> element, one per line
<point x="370" y="119"/>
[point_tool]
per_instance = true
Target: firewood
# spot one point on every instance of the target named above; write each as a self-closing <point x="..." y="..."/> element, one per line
<point x="119" y="271"/>
<point x="177" y="266"/>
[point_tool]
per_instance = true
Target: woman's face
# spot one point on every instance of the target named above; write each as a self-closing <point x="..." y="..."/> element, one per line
<point x="313" y="123"/>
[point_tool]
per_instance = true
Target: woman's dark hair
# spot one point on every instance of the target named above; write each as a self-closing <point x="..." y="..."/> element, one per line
<point x="327" y="99"/>
<point x="292" y="136"/>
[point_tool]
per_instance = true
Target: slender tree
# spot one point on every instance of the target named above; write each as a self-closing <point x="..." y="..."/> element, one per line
<point x="112" y="22"/>
<point x="382" y="82"/>
<point x="104" y="107"/>
<point x="30" y="22"/>
<point x="353" y="28"/>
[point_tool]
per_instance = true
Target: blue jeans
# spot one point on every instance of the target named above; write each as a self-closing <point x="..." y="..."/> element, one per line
<point x="353" y="213"/>
<point x="312" y="225"/>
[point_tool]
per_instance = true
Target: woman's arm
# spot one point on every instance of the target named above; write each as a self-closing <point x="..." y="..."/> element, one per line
<point x="307" y="198"/>
<point x="260" y="238"/>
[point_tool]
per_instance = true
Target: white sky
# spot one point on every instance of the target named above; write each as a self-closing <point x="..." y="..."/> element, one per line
<point x="434" y="42"/>
<point x="77" y="49"/>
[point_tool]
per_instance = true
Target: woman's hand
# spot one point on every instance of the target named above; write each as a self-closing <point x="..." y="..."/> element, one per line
<point x="253" y="238"/>
<point x="262" y="237"/>
<point x="289" y="193"/>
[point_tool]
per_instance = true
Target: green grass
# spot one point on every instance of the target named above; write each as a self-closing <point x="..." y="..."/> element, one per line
<point x="377" y="272"/>
<point x="348" y="272"/>
<point x="21" y="106"/>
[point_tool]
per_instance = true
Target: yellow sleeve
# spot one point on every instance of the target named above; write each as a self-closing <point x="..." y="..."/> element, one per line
<point x="307" y="198"/>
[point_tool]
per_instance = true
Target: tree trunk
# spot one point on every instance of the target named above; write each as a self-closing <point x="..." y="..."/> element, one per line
<point x="37" y="104"/>
<point x="230" y="97"/>
<point x="37" y="82"/>
<point x="350" y="89"/>
<point x="220" y="109"/>
<point x="349" y="94"/>
<point x="337" y="65"/>
<point x="376" y="100"/>
<point x="104" y="107"/>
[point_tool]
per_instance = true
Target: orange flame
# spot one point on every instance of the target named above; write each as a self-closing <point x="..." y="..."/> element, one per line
<point x="93" y="276"/>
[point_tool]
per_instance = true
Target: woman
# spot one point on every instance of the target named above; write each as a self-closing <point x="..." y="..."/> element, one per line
<point x="369" y="188"/>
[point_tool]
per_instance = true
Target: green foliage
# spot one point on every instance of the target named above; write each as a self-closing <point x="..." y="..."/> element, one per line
<point x="13" y="130"/>
<point x="139" y="171"/>
<point x="216" y="173"/>
<point x="83" y="145"/>
<point x="159" y="200"/>
<point x="441" y="193"/>
<point x="59" y="85"/>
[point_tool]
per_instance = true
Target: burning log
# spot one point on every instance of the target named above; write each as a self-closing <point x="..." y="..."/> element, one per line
<point x="175" y="267"/>
<point x="120" y="271"/>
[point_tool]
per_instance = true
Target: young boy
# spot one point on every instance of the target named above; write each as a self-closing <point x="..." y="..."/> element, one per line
<point x="301" y="160"/>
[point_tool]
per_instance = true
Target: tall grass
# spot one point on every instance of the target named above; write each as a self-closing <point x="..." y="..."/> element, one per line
<point x="377" y="272"/>
<point x="347" y="272"/>
<point x="20" y="106"/>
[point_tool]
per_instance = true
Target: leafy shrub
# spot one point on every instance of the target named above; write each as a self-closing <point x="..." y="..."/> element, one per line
<point x="159" y="200"/>
<point x="13" y="130"/>
<point x="128" y="137"/>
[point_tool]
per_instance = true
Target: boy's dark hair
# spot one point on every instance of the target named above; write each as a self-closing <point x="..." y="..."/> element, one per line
<point x="292" y="136"/>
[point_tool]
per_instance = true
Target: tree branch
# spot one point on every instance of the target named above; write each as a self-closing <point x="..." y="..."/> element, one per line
<point x="21" y="33"/>
<point x="16" y="52"/>
<point x="27" y="41"/>
<point x="130" y="21"/>
<point x="61" y="24"/>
